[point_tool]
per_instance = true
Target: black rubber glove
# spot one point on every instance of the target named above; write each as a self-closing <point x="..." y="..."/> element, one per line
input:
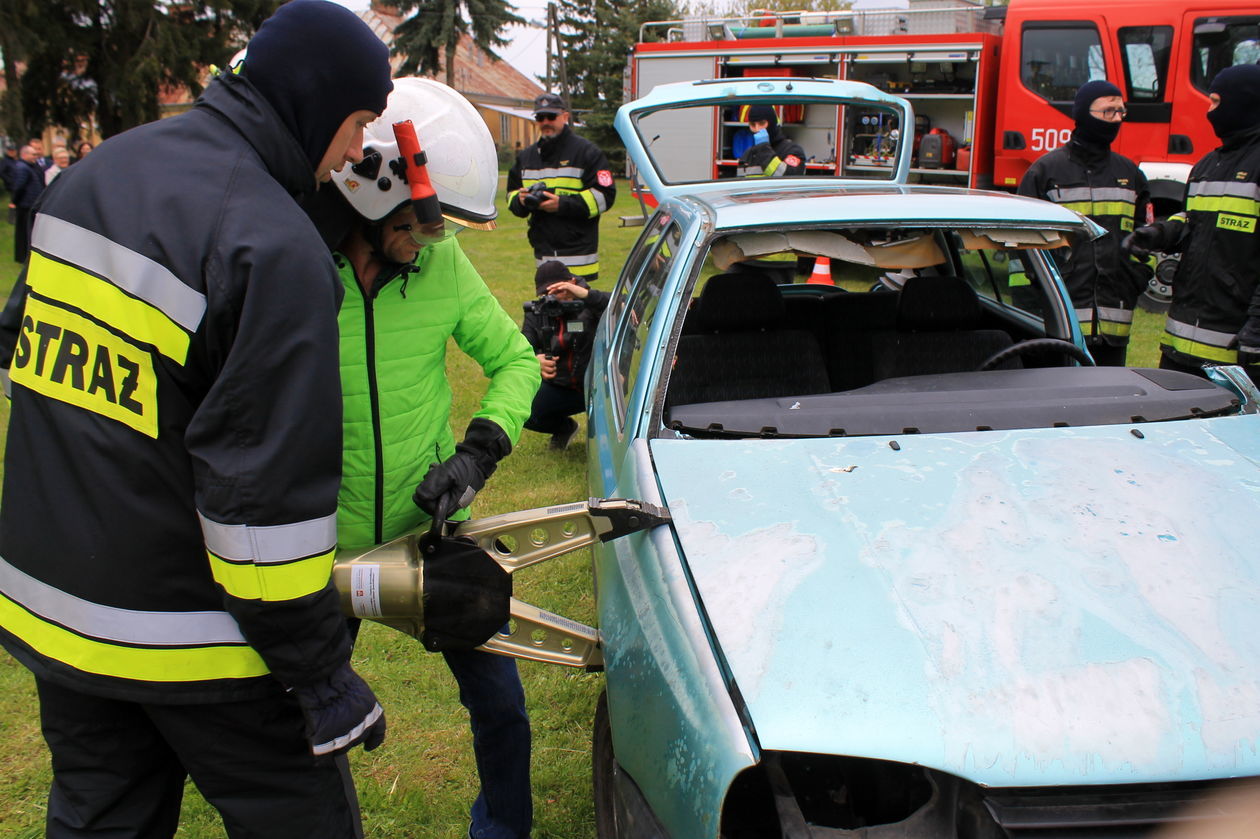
<point x="341" y="711"/>
<point x="1249" y="342"/>
<point x="451" y="485"/>
<point x="1160" y="236"/>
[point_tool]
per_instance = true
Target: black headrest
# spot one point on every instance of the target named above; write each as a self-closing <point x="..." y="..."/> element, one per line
<point x="937" y="304"/>
<point x="738" y="302"/>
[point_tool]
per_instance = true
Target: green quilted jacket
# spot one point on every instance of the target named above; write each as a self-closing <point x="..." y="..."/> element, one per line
<point x="393" y="377"/>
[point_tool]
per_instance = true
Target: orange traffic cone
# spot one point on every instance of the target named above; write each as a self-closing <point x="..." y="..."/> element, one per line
<point x="822" y="271"/>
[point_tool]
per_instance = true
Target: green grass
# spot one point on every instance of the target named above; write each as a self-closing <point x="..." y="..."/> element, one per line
<point x="422" y="781"/>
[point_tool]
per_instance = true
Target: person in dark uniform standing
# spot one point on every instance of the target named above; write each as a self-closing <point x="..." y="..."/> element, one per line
<point x="1085" y="175"/>
<point x="174" y="455"/>
<point x="562" y="184"/>
<point x="1215" y="311"/>
<point x="773" y="154"/>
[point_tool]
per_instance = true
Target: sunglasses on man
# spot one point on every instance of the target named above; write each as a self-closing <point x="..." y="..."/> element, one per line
<point x="545" y="117"/>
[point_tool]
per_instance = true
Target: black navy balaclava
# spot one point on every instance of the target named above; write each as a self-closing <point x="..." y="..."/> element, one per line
<point x="1239" y="89"/>
<point x="1089" y="128"/>
<point x="316" y="63"/>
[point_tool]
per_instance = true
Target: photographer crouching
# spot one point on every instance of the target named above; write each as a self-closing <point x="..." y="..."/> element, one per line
<point x="560" y="326"/>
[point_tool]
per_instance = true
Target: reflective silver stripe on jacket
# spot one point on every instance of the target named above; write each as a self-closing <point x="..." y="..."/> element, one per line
<point x="109" y="623"/>
<point x="1234" y="189"/>
<point x="1084" y="315"/>
<point x="1198" y="334"/>
<point x="1085" y="193"/>
<point x="346" y="739"/>
<point x="581" y="259"/>
<point x="134" y="273"/>
<point x="601" y="200"/>
<point x="1115" y="315"/>
<point x="273" y="544"/>
<point x="557" y="172"/>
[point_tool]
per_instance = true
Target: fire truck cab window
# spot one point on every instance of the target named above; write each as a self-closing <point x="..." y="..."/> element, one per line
<point x="1221" y="42"/>
<point x="1145" y="51"/>
<point x="1055" y="60"/>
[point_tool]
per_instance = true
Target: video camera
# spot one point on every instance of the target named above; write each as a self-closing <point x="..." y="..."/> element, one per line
<point x="550" y="306"/>
<point x="551" y="309"/>
<point x="533" y="196"/>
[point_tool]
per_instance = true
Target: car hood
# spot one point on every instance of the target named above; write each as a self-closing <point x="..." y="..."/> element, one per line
<point x="1043" y="607"/>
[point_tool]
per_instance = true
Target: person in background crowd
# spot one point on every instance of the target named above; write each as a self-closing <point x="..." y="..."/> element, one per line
<point x="1085" y="175"/>
<point x="177" y="607"/>
<point x="562" y="184"/>
<point x="562" y="342"/>
<point x="28" y="185"/>
<point x="1215" y="311"/>
<point x="61" y="160"/>
<point x="81" y="151"/>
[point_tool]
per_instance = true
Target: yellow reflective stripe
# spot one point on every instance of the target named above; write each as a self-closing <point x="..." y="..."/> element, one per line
<point x="775" y="163"/>
<point x="272" y="581"/>
<point x="584" y="270"/>
<point x="591" y="207"/>
<point x="1223" y="204"/>
<point x="69" y="358"/>
<point x="1199" y="350"/>
<point x="1101" y="208"/>
<point x="146" y="664"/>
<point x="106" y="302"/>
<point x="1017" y="279"/>
<point x="1110" y="327"/>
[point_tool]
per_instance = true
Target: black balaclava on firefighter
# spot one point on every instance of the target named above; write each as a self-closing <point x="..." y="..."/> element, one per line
<point x="758" y="113"/>
<point x="352" y="73"/>
<point x="1239" y="89"/>
<point x="1090" y="129"/>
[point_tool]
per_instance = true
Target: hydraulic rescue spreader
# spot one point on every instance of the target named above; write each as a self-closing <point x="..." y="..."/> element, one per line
<point x="453" y="590"/>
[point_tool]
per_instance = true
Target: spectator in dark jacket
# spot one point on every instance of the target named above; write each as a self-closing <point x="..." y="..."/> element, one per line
<point x="561" y="336"/>
<point x="28" y="183"/>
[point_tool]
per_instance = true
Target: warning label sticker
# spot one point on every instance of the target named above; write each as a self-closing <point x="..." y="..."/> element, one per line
<point x="365" y="590"/>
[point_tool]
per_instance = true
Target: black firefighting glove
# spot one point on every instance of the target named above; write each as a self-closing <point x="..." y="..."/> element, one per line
<point x="341" y="711"/>
<point x="451" y="485"/>
<point x="1249" y="342"/>
<point x="1160" y="236"/>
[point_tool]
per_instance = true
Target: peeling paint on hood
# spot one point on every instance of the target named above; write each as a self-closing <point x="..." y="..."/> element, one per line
<point x="1038" y="607"/>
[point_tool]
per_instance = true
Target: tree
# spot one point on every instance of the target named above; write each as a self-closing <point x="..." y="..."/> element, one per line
<point x="109" y="58"/>
<point x="437" y="25"/>
<point x="597" y="36"/>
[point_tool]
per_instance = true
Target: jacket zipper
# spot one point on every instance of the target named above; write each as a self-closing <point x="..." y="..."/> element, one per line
<point x="378" y="482"/>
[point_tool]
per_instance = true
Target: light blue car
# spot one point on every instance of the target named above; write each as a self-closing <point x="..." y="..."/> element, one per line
<point x="930" y="573"/>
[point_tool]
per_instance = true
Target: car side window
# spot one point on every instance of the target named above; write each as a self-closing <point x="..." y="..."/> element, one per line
<point x="634" y="264"/>
<point x="638" y="312"/>
<point x="1006" y="277"/>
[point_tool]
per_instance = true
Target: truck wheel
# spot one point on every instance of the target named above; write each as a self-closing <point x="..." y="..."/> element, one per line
<point x="604" y="773"/>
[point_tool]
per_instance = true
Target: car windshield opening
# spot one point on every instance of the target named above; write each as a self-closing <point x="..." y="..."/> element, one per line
<point x="878" y="330"/>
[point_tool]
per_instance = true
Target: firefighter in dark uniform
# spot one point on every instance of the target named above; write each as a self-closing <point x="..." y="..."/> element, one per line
<point x="1085" y="175"/>
<point x="563" y="184"/>
<point x="1215" y="312"/>
<point x="773" y="154"/>
<point x="174" y="454"/>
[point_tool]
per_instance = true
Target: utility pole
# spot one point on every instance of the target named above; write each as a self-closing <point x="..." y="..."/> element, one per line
<point x="555" y="53"/>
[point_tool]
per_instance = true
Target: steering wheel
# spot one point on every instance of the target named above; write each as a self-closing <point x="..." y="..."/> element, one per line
<point x="1034" y="345"/>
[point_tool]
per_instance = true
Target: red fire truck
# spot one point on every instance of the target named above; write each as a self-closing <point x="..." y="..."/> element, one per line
<point x="993" y="85"/>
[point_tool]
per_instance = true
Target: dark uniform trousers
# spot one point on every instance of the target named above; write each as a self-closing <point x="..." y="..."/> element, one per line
<point x="250" y="759"/>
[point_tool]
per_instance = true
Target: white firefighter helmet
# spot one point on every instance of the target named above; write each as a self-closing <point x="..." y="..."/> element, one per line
<point x="462" y="162"/>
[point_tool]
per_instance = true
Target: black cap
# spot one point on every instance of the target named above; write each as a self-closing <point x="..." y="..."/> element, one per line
<point x="550" y="272"/>
<point x="549" y="103"/>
